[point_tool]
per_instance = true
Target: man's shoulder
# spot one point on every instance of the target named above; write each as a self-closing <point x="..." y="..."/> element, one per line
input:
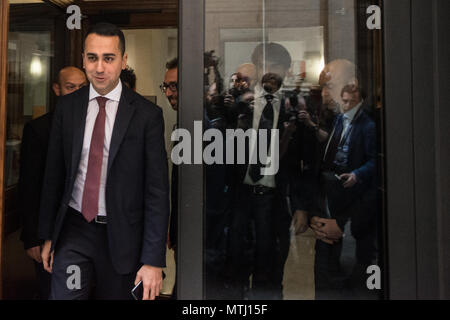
<point x="141" y="102"/>
<point x="74" y="97"/>
<point x="42" y="121"/>
<point x="366" y="120"/>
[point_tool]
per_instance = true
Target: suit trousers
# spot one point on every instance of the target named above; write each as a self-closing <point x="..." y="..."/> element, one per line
<point x="256" y="208"/>
<point x="82" y="266"/>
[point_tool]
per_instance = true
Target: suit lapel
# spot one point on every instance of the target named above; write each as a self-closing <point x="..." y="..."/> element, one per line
<point x="124" y="113"/>
<point x="79" y="122"/>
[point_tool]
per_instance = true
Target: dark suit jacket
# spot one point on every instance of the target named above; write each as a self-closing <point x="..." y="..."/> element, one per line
<point x="137" y="201"/>
<point x="32" y="166"/>
<point x="358" y="201"/>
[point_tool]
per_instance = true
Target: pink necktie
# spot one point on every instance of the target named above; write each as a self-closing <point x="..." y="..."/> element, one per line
<point x="89" y="207"/>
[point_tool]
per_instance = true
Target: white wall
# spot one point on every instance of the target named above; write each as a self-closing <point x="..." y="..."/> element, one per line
<point x="148" y="51"/>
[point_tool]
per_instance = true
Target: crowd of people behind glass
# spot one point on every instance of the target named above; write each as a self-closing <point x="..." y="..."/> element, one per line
<point x="326" y="178"/>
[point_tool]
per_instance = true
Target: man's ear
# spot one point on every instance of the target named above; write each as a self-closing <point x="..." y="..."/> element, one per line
<point x="56" y="89"/>
<point x="124" y="61"/>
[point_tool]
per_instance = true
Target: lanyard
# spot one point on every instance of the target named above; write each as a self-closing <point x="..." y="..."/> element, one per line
<point x="346" y="135"/>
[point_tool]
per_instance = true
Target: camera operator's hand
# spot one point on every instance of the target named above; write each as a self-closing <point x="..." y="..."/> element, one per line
<point x="305" y="117"/>
<point x="229" y="101"/>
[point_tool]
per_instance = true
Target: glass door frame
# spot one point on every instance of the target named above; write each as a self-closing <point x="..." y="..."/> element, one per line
<point x="4" y="21"/>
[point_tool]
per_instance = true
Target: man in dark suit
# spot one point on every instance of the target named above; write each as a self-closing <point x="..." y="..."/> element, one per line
<point x="259" y="198"/>
<point x="36" y="134"/>
<point x="348" y="180"/>
<point x="105" y="205"/>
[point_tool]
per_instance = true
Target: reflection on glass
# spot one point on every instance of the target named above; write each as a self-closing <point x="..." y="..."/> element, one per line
<point x="309" y="69"/>
<point x="28" y="83"/>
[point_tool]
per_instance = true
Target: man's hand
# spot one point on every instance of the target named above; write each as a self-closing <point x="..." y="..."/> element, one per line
<point x="35" y="253"/>
<point x="300" y="221"/>
<point x="349" y="178"/>
<point x="151" y="279"/>
<point x="329" y="229"/>
<point x="47" y="257"/>
<point x="316" y="226"/>
<point x="326" y="230"/>
<point x="228" y="101"/>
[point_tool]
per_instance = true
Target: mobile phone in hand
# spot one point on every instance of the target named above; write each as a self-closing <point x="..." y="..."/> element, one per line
<point x="138" y="291"/>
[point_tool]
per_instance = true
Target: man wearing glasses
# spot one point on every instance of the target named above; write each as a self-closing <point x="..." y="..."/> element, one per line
<point x="170" y="88"/>
<point x="170" y="85"/>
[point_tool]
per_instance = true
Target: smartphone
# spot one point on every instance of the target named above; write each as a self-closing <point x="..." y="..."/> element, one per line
<point x="138" y="291"/>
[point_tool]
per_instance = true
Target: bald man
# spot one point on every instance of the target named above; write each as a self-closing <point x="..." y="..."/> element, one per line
<point x="32" y="164"/>
<point x="70" y="79"/>
<point x="348" y="179"/>
<point x="337" y="74"/>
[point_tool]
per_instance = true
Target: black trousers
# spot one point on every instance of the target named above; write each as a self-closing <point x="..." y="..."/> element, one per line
<point x="328" y="277"/>
<point x="43" y="280"/>
<point x="256" y="208"/>
<point x="282" y="222"/>
<point x="82" y="251"/>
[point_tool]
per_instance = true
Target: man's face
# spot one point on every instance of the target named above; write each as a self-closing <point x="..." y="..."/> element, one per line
<point x="234" y="81"/>
<point x="349" y="101"/>
<point x="171" y="77"/>
<point x="103" y="62"/>
<point x="271" y="67"/>
<point x="70" y="80"/>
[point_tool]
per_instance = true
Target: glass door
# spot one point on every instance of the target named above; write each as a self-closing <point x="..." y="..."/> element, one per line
<point x="294" y="176"/>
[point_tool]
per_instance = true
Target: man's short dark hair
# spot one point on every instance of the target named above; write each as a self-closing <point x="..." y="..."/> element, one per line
<point x="272" y="77"/>
<point x="274" y="52"/>
<point x="172" y="64"/>
<point x="108" y="30"/>
<point x="127" y="76"/>
<point x="350" y="88"/>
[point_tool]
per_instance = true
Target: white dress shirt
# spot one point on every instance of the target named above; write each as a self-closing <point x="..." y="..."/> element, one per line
<point x="112" y="104"/>
<point x="260" y="103"/>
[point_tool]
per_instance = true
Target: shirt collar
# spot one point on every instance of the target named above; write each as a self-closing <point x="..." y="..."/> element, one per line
<point x="112" y="95"/>
<point x="351" y="113"/>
